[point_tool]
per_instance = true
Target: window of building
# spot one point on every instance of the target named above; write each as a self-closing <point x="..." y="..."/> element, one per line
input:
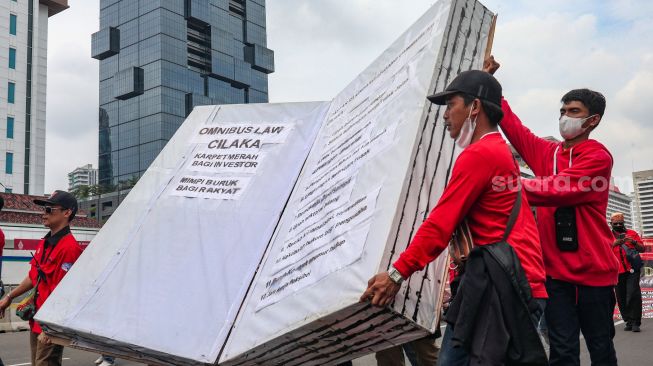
<point x="10" y="127"/>
<point x="12" y="58"/>
<point x="237" y="7"/>
<point x="11" y="92"/>
<point x="199" y="47"/>
<point x="8" y="190"/>
<point x="9" y="166"/>
<point x="13" y="19"/>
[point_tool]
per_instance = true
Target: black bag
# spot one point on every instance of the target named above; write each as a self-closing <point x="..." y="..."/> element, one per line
<point x="566" y="231"/>
<point x="632" y="256"/>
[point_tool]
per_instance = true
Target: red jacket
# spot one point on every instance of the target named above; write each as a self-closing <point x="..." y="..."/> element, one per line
<point x="620" y="253"/>
<point x="55" y="261"/>
<point x="582" y="181"/>
<point x="472" y="193"/>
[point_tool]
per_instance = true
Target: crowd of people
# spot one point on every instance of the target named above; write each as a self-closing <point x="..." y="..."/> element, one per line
<point x="566" y="269"/>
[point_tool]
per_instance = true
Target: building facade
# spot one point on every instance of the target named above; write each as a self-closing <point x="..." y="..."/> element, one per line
<point x="159" y="59"/>
<point x="23" y="80"/>
<point x="643" y="182"/>
<point x="619" y="202"/>
<point x="82" y="176"/>
<point x="635" y="210"/>
<point x="101" y="207"/>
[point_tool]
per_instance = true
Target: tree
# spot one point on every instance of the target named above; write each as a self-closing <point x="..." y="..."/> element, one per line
<point x="81" y="192"/>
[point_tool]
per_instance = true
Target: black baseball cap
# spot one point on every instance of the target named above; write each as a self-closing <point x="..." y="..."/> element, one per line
<point x="476" y="83"/>
<point x="60" y="198"/>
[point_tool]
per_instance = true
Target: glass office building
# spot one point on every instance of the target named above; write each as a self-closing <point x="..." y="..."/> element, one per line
<point x="159" y="59"/>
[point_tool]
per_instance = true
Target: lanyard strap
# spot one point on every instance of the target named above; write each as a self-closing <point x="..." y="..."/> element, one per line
<point x="514" y="213"/>
<point x="555" y="159"/>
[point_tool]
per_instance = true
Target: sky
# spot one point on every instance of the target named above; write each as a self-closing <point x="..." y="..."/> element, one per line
<point x="546" y="48"/>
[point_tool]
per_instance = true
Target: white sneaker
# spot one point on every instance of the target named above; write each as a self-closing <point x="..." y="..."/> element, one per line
<point x="99" y="360"/>
<point x="106" y="363"/>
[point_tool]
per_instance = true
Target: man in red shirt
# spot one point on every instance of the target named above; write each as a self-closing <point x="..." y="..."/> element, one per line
<point x="571" y="191"/>
<point x="629" y="294"/>
<point x="55" y="255"/>
<point x="2" y="244"/>
<point x="476" y="193"/>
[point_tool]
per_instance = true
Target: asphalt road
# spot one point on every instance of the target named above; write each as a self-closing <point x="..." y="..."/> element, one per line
<point x="632" y="349"/>
<point x="14" y="350"/>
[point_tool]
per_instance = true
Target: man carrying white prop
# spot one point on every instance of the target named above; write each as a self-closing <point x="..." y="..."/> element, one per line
<point x="501" y="293"/>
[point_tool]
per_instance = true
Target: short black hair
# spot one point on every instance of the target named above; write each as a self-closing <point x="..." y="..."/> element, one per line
<point x="593" y="100"/>
<point x="493" y="111"/>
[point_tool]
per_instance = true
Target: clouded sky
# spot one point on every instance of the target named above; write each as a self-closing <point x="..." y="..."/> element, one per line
<point x="545" y="47"/>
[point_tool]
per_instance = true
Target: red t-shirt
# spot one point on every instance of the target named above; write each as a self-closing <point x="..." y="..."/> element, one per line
<point x="55" y="261"/>
<point x="475" y="193"/>
<point x="620" y="253"/>
<point x="2" y="245"/>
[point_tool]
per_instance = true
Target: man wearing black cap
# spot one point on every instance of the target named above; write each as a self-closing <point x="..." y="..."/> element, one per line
<point x="55" y="255"/>
<point x="483" y="192"/>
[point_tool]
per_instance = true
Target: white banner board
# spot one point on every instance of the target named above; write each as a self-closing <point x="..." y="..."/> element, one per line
<point x="180" y="251"/>
<point x="260" y="225"/>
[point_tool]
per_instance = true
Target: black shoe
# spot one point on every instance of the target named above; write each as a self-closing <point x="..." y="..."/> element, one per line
<point x="636" y="328"/>
<point x="628" y="328"/>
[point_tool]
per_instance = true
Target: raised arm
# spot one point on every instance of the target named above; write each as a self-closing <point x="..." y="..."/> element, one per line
<point x="533" y="149"/>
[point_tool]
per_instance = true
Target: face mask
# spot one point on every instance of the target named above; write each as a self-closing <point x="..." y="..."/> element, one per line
<point x="620" y="228"/>
<point x="467" y="131"/>
<point x="570" y="127"/>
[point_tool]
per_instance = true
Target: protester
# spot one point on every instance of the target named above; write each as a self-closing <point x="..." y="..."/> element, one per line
<point x="484" y="192"/>
<point x="629" y="294"/>
<point x="420" y="352"/>
<point x="55" y="255"/>
<point x="571" y="194"/>
<point x="2" y="244"/>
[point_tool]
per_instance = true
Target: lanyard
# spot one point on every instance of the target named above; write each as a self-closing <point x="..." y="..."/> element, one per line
<point x="555" y="159"/>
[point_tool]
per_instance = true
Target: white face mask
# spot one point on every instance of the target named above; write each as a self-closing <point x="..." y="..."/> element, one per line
<point x="467" y="131"/>
<point x="570" y="127"/>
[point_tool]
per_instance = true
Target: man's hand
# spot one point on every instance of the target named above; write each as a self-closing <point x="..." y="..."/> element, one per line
<point x="4" y="304"/>
<point x="618" y="242"/>
<point x="381" y="290"/>
<point x="43" y="338"/>
<point x="490" y="65"/>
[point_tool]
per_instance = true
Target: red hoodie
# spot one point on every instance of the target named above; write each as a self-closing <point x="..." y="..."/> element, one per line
<point x="475" y="193"/>
<point x="582" y="181"/>
<point x="620" y="253"/>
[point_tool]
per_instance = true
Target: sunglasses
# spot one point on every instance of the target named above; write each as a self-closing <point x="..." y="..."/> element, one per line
<point x="49" y="209"/>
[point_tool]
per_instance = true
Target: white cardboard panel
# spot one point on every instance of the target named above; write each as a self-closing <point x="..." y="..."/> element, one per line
<point x="412" y="171"/>
<point x="162" y="256"/>
<point x="379" y="160"/>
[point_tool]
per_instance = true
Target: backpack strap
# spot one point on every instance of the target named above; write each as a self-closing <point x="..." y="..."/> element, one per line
<point x="512" y="219"/>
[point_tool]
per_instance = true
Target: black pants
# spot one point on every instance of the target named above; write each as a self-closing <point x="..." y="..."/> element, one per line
<point x="629" y="298"/>
<point x="573" y="308"/>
